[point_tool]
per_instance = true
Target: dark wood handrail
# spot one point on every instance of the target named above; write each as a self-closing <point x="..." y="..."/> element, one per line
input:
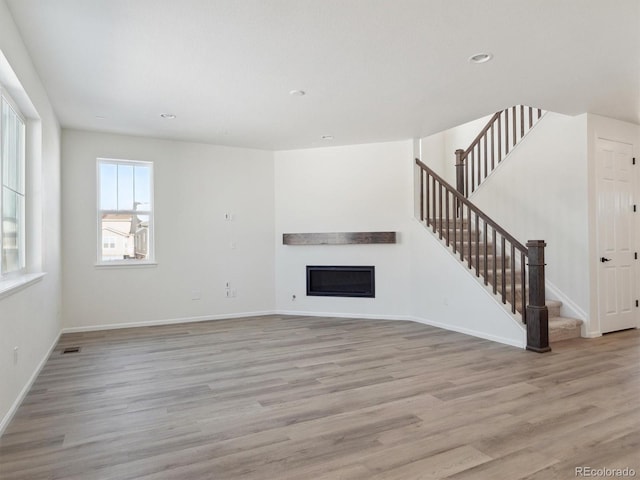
<point x="443" y="207"/>
<point x="465" y="201"/>
<point x="482" y="133"/>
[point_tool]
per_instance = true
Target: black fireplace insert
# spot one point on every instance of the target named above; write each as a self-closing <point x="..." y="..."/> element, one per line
<point x="341" y="281"/>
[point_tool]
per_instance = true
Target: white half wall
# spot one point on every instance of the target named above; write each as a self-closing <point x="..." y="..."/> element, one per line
<point x="197" y="250"/>
<point x="540" y="192"/>
<point x="446" y="295"/>
<point x="345" y="189"/>
<point x="30" y="317"/>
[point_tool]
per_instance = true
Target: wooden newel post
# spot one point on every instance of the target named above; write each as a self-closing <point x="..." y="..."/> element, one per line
<point x="459" y="178"/>
<point x="537" y="313"/>
<point x="460" y="171"/>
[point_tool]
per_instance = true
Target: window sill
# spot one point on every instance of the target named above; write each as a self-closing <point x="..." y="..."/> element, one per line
<point x="15" y="284"/>
<point x="131" y="264"/>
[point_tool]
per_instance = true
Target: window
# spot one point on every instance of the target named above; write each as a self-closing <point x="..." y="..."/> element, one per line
<point x="125" y="212"/>
<point x="12" y="179"/>
<point x="108" y="242"/>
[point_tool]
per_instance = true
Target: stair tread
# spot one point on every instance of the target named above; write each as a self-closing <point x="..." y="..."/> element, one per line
<point x="564" y="323"/>
<point x="553" y="303"/>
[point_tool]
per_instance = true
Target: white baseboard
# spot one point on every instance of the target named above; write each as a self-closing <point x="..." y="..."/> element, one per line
<point x="364" y="316"/>
<point x="23" y="393"/>
<point x="474" y="333"/>
<point x="168" y="321"/>
<point x="593" y="334"/>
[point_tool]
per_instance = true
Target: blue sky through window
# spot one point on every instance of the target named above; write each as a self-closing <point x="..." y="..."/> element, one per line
<point x="123" y="185"/>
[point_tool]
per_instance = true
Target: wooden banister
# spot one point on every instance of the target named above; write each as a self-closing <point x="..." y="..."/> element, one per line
<point x="482" y="133"/>
<point x="461" y="198"/>
<point x="461" y="224"/>
<point x="500" y="135"/>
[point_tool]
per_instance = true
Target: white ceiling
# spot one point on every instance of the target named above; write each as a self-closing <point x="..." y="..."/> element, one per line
<point x="373" y="70"/>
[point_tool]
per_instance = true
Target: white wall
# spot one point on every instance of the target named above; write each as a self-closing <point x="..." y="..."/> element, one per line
<point x="439" y="150"/>
<point x="30" y="318"/>
<point x="540" y="192"/>
<point x="434" y="155"/>
<point x="610" y="129"/>
<point x="345" y="189"/>
<point x="194" y="185"/>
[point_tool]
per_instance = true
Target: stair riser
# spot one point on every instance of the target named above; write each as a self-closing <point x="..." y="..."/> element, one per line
<point x="491" y="278"/>
<point x="554" y="311"/>
<point x="453" y="226"/>
<point x="452" y="222"/>
<point x="490" y="261"/>
<point x="464" y="235"/>
<point x="475" y="248"/>
<point x="563" y="334"/>
<point x="450" y="231"/>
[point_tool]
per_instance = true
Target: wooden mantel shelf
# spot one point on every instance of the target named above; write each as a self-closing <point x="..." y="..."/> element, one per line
<point x="338" y="238"/>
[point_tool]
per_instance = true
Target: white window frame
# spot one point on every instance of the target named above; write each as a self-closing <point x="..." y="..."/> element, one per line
<point x="132" y="262"/>
<point x="22" y="247"/>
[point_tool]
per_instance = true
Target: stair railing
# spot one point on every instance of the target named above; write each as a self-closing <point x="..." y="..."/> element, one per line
<point x="500" y="135"/>
<point x="491" y="251"/>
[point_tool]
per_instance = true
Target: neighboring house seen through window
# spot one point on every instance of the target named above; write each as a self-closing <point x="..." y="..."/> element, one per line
<point x="12" y="180"/>
<point x="125" y="211"/>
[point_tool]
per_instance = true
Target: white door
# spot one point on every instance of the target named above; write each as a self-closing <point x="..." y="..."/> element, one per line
<point x="616" y="236"/>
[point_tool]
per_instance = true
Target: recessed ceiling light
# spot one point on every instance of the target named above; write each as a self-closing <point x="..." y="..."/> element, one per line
<point x="327" y="137"/>
<point x="480" y="57"/>
<point x="100" y="117"/>
<point x="169" y="116"/>
<point x="297" y="93"/>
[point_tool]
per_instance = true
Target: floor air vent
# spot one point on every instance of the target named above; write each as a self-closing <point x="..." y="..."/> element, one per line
<point x="71" y="350"/>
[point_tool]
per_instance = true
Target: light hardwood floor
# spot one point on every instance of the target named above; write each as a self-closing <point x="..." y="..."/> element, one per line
<point x="321" y="399"/>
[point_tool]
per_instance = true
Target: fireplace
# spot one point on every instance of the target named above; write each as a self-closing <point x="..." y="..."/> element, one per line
<point x="341" y="281"/>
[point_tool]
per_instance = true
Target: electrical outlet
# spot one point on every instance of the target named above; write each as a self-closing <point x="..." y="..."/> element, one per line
<point x="196" y="295"/>
<point x="15" y="355"/>
<point x="293" y="298"/>
<point x="228" y="217"/>
<point x="227" y="292"/>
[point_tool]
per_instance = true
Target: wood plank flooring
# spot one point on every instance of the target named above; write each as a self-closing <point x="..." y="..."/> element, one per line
<point x="283" y="397"/>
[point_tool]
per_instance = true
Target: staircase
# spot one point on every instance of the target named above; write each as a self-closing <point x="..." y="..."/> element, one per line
<point x="512" y="271"/>
<point x="500" y="267"/>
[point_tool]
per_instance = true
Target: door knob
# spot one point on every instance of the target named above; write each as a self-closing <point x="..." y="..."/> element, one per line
<point x="602" y="259"/>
